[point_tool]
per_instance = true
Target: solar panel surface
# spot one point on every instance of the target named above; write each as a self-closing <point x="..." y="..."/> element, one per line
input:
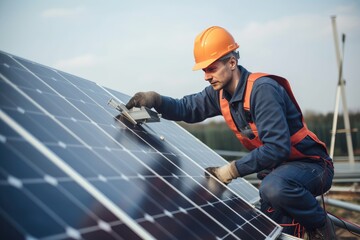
<point x="70" y="169"/>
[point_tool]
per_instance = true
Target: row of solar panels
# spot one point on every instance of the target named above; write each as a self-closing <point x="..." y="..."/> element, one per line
<point x="70" y="169"/>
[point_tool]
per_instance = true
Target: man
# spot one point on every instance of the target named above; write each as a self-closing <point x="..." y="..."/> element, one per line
<point x="261" y="110"/>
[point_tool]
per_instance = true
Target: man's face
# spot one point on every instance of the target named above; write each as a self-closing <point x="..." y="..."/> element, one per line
<point x="218" y="74"/>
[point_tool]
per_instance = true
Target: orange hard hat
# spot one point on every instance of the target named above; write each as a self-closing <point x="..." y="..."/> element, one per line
<point x="211" y="44"/>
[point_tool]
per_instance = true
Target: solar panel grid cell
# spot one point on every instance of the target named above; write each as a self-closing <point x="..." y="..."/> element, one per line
<point x="145" y="172"/>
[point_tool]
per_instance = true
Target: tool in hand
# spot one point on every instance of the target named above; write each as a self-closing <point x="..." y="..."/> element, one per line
<point x="135" y="115"/>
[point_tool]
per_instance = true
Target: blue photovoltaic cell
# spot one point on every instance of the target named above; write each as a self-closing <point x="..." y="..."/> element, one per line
<point x="71" y="168"/>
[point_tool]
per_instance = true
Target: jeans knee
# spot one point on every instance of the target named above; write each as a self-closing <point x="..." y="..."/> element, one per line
<point x="272" y="192"/>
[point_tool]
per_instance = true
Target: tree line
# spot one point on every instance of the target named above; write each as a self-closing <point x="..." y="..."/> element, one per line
<point x="217" y="135"/>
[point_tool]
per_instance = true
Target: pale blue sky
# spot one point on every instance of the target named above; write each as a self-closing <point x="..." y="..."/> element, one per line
<point x="137" y="45"/>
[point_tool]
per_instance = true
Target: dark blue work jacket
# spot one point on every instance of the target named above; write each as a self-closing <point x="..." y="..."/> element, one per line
<point x="274" y="114"/>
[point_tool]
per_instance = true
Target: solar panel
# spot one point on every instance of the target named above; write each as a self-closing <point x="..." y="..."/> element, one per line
<point x="70" y="169"/>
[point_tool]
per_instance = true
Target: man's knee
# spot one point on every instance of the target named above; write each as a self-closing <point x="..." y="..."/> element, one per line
<point x="272" y="191"/>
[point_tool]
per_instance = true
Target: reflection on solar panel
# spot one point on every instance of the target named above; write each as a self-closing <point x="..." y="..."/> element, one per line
<point x="70" y="169"/>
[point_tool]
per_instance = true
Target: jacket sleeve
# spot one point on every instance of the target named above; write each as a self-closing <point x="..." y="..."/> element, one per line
<point x="269" y="106"/>
<point x="191" y="108"/>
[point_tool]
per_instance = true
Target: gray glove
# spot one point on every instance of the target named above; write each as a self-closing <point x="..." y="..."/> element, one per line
<point x="148" y="99"/>
<point x="225" y="173"/>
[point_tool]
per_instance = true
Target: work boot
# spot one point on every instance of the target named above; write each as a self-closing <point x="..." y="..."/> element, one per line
<point x="326" y="232"/>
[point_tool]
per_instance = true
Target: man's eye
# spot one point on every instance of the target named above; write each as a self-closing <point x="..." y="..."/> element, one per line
<point x="209" y="70"/>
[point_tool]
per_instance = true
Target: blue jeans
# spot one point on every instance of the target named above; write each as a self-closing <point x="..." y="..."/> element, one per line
<point x="290" y="190"/>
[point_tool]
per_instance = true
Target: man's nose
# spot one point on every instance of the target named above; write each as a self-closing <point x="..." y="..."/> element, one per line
<point x="208" y="77"/>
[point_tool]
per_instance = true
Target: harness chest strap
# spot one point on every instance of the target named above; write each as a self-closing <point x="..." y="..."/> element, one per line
<point x="251" y="144"/>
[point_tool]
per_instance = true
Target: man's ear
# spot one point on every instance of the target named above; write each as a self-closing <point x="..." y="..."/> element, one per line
<point x="233" y="63"/>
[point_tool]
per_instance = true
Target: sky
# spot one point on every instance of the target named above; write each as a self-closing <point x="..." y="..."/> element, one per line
<point x="133" y="46"/>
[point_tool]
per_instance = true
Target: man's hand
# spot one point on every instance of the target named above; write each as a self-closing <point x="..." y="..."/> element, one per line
<point x="225" y="173"/>
<point x="148" y="99"/>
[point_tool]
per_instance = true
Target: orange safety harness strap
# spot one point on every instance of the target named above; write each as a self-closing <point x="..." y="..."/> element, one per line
<point x="255" y="142"/>
<point x="298" y="230"/>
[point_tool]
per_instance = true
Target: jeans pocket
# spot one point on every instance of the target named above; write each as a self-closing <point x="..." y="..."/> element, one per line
<point x="319" y="179"/>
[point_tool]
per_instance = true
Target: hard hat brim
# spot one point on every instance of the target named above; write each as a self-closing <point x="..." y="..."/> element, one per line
<point x="203" y="64"/>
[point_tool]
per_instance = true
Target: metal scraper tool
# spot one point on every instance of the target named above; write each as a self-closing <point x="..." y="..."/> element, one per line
<point x="135" y="115"/>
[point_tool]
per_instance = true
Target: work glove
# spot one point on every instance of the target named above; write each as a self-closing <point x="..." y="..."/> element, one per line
<point x="225" y="173"/>
<point x="148" y="99"/>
